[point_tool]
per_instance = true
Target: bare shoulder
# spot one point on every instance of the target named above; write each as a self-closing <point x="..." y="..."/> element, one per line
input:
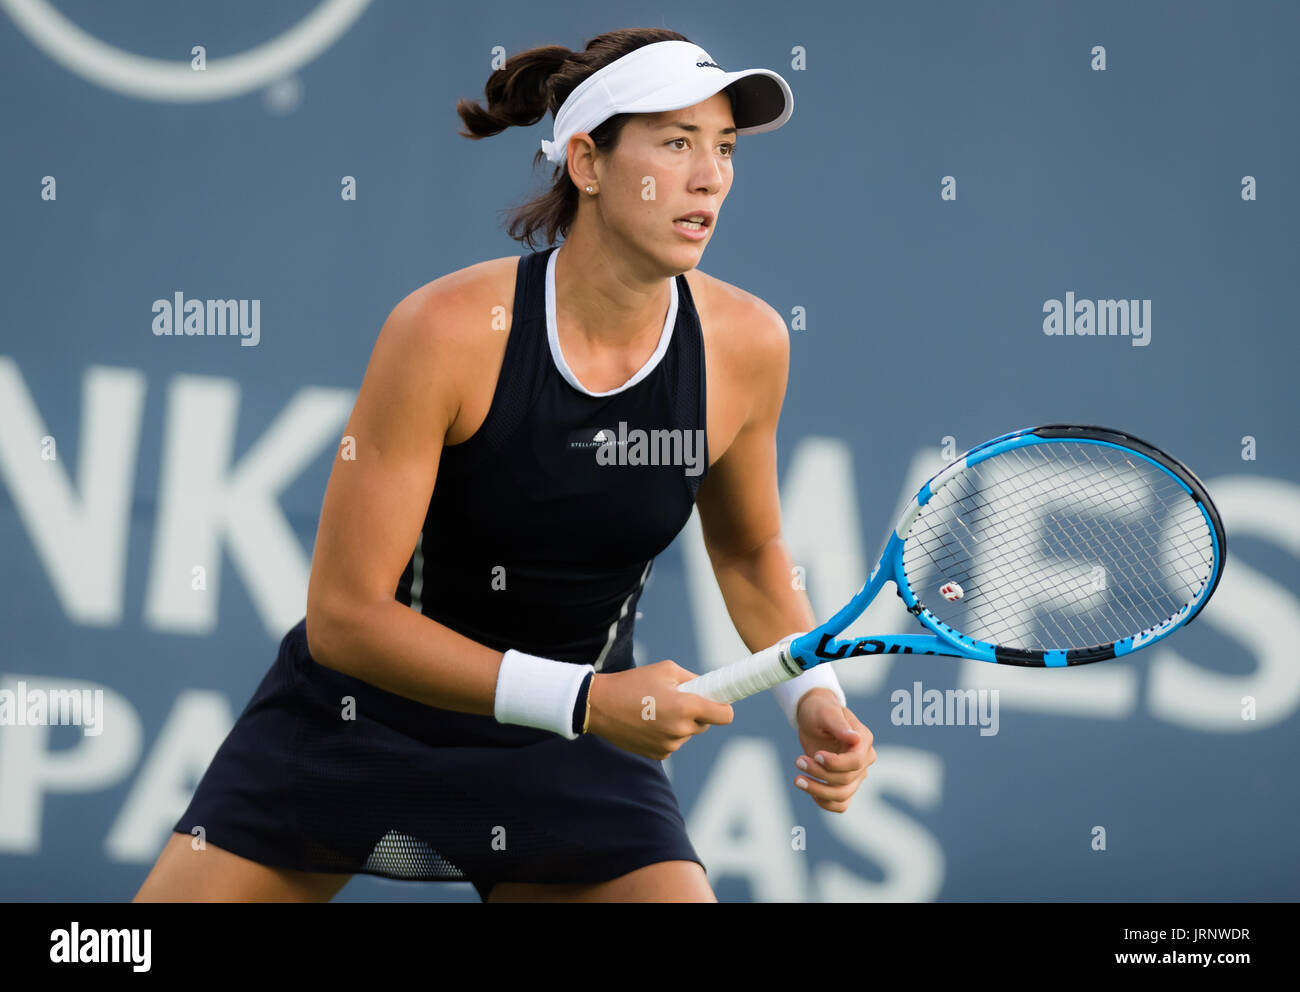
<point x="747" y="331"/>
<point x="458" y="319"/>
<point x="460" y="305"/>
<point x="446" y="341"/>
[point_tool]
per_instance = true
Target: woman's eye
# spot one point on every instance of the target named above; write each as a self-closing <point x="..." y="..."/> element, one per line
<point x="729" y="146"/>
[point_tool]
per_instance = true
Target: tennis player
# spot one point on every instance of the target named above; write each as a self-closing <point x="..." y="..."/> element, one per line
<point x="471" y="710"/>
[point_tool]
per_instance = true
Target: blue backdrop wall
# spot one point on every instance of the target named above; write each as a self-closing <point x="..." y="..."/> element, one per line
<point x="950" y="168"/>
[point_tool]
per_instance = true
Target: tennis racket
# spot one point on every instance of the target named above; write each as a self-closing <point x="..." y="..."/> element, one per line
<point x="1048" y="547"/>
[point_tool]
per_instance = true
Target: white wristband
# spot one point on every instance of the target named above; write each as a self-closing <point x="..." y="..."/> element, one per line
<point x="789" y="693"/>
<point x="538" y="692"/>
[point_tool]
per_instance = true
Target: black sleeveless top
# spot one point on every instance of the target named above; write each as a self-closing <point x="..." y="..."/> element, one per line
<point x="543" y="525"/>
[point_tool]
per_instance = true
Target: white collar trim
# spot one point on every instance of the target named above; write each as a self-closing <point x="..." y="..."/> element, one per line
<point x="553" y="338"/>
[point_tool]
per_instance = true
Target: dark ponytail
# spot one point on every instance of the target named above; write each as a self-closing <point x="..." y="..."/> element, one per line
<point x="524" y="89"/>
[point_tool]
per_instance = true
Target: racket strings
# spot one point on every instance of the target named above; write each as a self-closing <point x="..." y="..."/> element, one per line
<point x="1139" y="548"/>
<point x="1055" y="583"/>
<point x="1133" y="607"/>
<point x="1082" y="541"/>
<point x="1024" y="533"/>
<point x="1062" y="623"/>
<point x="1005" y="521"/>
<point x="995" y="614"/>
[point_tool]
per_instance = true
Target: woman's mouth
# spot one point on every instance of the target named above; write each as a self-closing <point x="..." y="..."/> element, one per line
<point x="694" y="226"/>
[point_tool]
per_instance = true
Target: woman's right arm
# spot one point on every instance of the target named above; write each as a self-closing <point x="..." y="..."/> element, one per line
<point x="374" y="507"/>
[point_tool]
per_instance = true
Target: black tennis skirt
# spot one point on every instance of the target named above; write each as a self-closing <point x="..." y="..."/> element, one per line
<point x="323" y="772"/>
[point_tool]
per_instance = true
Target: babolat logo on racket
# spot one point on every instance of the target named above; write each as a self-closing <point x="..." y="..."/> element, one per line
<point x="1148" y="636"/>
<point x="864" y="645"/>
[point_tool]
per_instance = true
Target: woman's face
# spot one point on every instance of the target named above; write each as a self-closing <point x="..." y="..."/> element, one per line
<point x="665" y="167"/>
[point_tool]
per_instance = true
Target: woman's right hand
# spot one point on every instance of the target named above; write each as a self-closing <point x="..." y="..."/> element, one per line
<point x="641" y="710"/>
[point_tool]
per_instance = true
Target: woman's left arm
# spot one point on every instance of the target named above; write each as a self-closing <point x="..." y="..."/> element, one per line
<point x="740" y="514"/>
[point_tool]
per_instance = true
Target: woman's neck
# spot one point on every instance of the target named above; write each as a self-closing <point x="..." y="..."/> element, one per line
<point x="602" y="301"/>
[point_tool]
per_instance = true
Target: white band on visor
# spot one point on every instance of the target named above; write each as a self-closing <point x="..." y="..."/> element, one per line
<point x="668" y="75"/>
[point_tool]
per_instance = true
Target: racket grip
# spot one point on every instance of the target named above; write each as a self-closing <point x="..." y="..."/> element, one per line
<point x="746" y="677"/>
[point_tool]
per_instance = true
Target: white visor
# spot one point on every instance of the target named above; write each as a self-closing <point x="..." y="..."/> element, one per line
<point x="668" y="75"/>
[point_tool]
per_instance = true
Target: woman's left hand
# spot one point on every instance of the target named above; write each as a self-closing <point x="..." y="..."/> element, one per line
<point x="837" y="750"/>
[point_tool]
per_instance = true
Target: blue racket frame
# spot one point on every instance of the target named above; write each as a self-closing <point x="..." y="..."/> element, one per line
<point x="821" y="644"/>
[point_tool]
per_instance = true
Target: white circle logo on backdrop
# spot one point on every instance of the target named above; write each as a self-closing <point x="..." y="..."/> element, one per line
<point x="176" y="82"/>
